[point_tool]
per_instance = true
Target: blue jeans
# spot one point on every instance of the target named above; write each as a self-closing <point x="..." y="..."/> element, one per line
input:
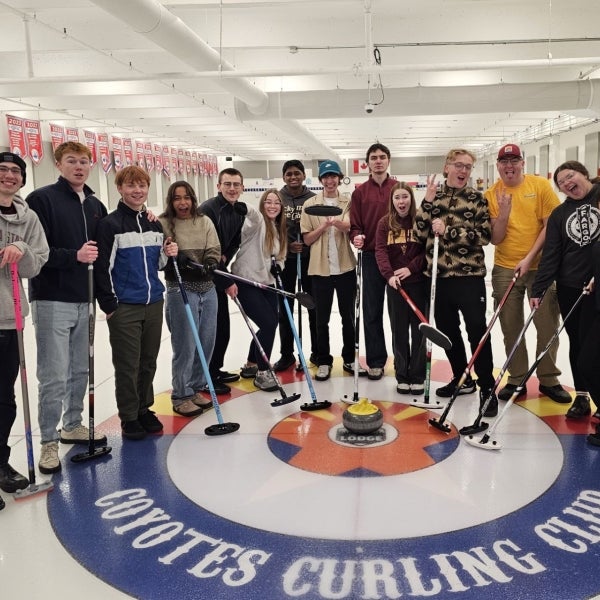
<point x="187" y="373"/>
<point x="61" y="332"/>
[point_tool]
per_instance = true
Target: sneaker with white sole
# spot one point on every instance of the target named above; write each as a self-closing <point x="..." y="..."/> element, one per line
<point x="80" y="435"/>
<point x="323" y="372"/>
<point x="187" y="408"/>
<point x="403" y="388"/>
<point x="265" y="381"/>
<point x="448" y="390"/>
<point x="375" y="373"/>
<point x="418" y="389"/>
<point x="49" y="462"/>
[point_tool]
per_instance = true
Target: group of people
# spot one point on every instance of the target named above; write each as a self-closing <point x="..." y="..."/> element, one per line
<point x="62" y="231"/>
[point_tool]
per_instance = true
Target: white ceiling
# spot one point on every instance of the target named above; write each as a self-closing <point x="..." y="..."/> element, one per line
<point x="290" y="78"/>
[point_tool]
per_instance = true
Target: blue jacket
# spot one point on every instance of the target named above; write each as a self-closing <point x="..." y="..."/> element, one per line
<point x="68" y="224"/>
<point x="130" y="255"/>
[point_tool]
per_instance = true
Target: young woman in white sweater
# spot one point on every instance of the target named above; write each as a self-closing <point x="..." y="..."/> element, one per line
<point x="263" y="236"/>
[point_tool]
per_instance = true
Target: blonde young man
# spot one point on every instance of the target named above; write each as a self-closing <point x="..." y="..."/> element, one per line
<point x="69" y="213"/>
<point x="519" y="206"/>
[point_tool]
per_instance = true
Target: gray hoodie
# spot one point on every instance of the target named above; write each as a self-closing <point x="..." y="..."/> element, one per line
<point x="24" y="231"/>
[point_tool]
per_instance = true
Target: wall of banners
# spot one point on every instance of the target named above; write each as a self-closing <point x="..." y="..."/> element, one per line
<point x="25" y="139"/>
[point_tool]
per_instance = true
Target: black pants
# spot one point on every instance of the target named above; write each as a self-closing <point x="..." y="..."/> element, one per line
<point x="466" y="296"/>
<point x="262" y="308"/>
<point x="408" y="342"/>
<point x="289" y="277"/>
<point x="577" y="327"/>
<point x="223" y="332"/>
<point x="373" y="299"/>
<point x="9" y="369"/>
<point x="589" y="359"/>
<point x="344" y="286"/>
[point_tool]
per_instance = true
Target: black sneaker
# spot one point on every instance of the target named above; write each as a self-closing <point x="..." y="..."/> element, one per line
<point x="580" y="408"/>
<point x="594" y="438"/>
<point x="220" y="389"/>
<point x="492" y="407"/>
<point x="149" y="421"/>
<point x="508" y="390"/>
<point x="556" y="393"/>
<point x="133" y="430"/>
<point x="11" y="480"/>
<point x="224" y="376"/>
<point x="447" y="391"/>
<point x="349" y="368"/>
<point x="248" y="371"/>
<point x="284" y="363"/>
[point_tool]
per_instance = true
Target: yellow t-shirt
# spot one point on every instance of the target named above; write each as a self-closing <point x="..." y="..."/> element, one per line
<point x="532" y="202"/>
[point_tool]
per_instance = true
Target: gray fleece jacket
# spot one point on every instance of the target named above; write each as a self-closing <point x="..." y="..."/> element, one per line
<point x="24" y="231"/>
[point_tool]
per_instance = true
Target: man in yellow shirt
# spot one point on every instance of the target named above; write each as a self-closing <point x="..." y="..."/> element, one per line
<point x="519" y="206"/>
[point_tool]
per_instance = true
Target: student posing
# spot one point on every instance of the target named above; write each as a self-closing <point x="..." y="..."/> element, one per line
<point x="131" y="250"/>
<point x="22" y="242"/>
<point x="401" y="260"/>
<point x="197" y="240"/>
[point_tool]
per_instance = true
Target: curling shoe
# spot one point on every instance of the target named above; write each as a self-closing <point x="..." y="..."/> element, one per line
<point x="506" y="393"/>
<point x="11" y="480"/>
<point x="594" y="438"/>
<point x="149" y="421"/>
<point x="580" y="408"/>
<point x="49" y="461"/>
<point x="492" y="408"/>
<point x="447" y="391"/>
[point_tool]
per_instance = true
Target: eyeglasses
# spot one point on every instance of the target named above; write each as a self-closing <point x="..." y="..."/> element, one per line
<point x="11" y="170"/>
<point x="461" y="166"/>
<point x="509" y="161"/>
<point x="231" y="184"/>
<point x="562" y="181"/>
<point x="272" y="202"/>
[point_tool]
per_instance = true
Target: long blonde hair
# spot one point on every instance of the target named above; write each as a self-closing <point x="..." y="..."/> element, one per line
<point x="280" y="226"/>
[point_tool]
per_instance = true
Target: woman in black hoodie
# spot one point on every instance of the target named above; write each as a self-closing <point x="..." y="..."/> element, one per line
<point x="572" y="230"/>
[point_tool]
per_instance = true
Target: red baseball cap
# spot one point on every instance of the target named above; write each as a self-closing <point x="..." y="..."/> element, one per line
<point x="509" y="150"/>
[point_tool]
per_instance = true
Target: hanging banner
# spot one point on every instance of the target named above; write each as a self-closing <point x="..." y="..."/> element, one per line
<point x="72" y="134"/>
<point x="16" y="136"/>
<point x="117" y="148"/>
<point x="166" y="161"/>
<point x="174" y="167"/>
<point x="148" y="157"/>
<point x="188" y="162"/>
<point x="57" y="135"/>
<point x="90" y="142"/>
<point x="180" y="161"/>
<point x="140" y="160"/>
<point x="213" y="166"/>
<point x="158" y="158"/>
<point x="33" y="135"/>
<point x="202" y="164"/>
<point x="127" y="152"/>
<point x="104" y="152"/>
<point x="195" y="163"/>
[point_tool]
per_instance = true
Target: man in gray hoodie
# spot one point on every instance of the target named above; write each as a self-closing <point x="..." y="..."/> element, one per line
<point x="22" y="242"/>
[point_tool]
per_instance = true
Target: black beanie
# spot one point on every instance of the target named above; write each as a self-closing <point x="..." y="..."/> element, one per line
<point x="14" y="158"/>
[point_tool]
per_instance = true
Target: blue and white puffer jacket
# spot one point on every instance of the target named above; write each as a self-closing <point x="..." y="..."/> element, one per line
<point x="130" y="254"/>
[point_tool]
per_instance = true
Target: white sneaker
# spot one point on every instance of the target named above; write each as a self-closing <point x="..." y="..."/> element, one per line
<point x="403" y="388"/>
<point x="80" y="435"/>
<point x="323" y="372"/>
<point x="49" y="462"/>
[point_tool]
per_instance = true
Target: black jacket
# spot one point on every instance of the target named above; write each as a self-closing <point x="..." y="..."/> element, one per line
<point x="68" y="224"/>
<point x="567" y="252"/>
<point x="292" y="207"/>
<point x="228" y="223"/>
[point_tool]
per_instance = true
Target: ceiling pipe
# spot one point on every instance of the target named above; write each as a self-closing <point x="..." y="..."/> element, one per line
<point x="576" y="97"/>
<point x="152" y="20"/>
